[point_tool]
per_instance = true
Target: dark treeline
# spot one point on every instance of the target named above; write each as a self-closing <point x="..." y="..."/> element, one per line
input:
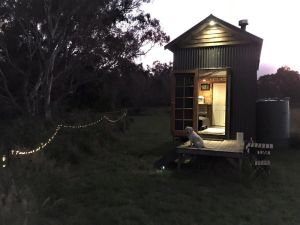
<point x="57" y="55"/>
<point x="284" y="83"/>
<point x="130" y="86"/>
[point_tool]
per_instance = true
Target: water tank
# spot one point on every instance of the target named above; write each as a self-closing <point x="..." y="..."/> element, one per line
<point x="273" y="121"/>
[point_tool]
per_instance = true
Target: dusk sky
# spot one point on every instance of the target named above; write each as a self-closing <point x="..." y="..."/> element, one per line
<point x="275" y="21"/>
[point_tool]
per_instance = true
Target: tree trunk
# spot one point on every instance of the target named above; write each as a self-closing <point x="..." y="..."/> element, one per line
<point x="48" y="113"/>
<point x="47" y="104"/>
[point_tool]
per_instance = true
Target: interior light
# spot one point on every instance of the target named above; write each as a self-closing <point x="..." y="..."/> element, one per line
<point x="212" y="23"/>
<point x="204" y="80"/>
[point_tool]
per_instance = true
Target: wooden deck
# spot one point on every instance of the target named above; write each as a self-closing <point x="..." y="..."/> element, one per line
<point x="220" y="148"/>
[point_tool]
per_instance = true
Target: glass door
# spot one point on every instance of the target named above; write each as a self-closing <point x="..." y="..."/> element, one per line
<point x="184" y="100"/>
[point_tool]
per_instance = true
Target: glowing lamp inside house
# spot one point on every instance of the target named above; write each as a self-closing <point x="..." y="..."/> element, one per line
<point x="212" y="23"/>
<point x="201" y="99"/>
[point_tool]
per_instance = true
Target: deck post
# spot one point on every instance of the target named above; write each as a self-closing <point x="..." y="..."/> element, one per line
<point x="180" y="159"/>
<point x="240" y="164"/>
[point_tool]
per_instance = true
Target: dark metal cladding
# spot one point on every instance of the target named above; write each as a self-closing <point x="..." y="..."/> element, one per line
<point x="215" y="57"/>
<point x="243" y="62"/>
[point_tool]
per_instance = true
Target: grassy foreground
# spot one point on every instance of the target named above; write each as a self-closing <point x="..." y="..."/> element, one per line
<point x="116" y="183"/>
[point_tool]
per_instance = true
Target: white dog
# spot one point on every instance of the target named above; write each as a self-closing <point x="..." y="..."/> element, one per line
<point x="194" y="138"/>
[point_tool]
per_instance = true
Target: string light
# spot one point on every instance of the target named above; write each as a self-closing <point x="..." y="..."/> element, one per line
<point x="4" y="161"/>
<point x="41" y="146"/>
<point x="115" y="121"/>
<point x="83" y="125"/>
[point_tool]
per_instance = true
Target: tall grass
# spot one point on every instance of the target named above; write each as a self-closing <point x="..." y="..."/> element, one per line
<point x="34" y="187"/>
<point x="295" y="127"/>
<point x="104" y="176"/>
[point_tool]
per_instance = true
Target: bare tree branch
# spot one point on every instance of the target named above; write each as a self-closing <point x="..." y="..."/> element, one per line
<point x="8" y="92"/>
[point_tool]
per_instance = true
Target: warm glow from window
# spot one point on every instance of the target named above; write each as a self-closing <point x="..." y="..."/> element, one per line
<point x="212" y="23"/>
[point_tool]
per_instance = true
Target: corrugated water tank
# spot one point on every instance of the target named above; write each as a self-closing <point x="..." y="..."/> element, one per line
<point x="273" y="121"/>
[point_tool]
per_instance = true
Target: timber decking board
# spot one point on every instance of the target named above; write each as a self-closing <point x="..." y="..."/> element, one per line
<point x="225" y="148"/>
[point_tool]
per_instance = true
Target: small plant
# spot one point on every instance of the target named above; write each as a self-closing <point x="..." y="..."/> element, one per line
<point x="295" y="140"/>
<point x="17" y="203"/>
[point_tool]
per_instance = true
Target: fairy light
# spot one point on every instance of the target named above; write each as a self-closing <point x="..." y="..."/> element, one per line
<point x="42" y="145"/>
<point x="117" y="120"/>
<point x="83" y="125"/>
<point x="4" y="161"/>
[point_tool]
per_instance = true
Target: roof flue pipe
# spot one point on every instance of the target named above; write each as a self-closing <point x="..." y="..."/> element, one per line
<point x="243" y="24"/>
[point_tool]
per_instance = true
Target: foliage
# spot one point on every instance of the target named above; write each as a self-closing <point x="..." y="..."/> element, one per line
<point x="129" y="85"/>
<point x="50" y="48"/>
<point x="284" y="83"/>
<point x="17" y="203"/>
<point x="160" y="88"/>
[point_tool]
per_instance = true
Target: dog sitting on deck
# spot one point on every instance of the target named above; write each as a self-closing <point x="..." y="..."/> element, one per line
<point x="195" y="139"/>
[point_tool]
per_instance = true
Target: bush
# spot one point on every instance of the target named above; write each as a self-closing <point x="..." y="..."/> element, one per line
<point x="17" y="202"/>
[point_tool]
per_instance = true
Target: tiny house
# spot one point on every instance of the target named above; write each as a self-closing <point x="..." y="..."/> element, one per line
<point x="214" y="79"/>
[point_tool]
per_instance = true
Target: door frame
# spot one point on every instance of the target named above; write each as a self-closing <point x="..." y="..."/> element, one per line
<point x="228" y="96"/>
<point x="196" y="74"/>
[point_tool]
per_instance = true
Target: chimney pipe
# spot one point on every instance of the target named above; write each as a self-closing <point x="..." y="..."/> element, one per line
<point x="243" y="24"/>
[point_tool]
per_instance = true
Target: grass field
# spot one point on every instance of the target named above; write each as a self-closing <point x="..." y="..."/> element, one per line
<point x="117" y="184"/>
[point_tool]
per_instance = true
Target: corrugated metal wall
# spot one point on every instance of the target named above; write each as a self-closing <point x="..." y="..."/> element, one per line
<point x="243" y="61"/>
<point x="215" y="57"/>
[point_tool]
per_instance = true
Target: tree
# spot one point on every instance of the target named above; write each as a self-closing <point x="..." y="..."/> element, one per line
<point x="160" y="87"/>
<point x="284" y="83"/>
<point x="49" y="48"/>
